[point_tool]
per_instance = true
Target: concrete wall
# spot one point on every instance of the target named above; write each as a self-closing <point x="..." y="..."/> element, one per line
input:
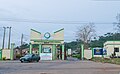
<point x="59" y="35"/>
<point x="6" y="53"/>
<point x="97" y="55"/>
<point x="88" y="54"/>
<point x="35" y="35"/>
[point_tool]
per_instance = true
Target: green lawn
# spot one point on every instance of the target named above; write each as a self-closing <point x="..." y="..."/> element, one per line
<point x="107" y="60"/>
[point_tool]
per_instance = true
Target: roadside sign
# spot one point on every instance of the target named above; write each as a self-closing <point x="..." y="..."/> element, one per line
<point x="98" y="51"/>
<point x="69" y="51"/>
<point x="45" y="56"/>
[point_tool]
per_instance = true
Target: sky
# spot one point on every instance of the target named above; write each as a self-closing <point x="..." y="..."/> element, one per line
<point x="52" y="15"/>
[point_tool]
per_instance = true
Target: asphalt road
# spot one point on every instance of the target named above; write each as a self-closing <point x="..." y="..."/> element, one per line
<point x="58" y="67"/>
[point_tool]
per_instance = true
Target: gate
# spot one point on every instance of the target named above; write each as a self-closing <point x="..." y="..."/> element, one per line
<point x="0" y="54"/>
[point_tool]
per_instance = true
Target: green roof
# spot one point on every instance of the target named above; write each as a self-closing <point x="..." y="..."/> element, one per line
<point x="59" y="30"/>
<point x="113" y="40"/>
<point x="35" y="31"/>
<point x="56" y="41"/>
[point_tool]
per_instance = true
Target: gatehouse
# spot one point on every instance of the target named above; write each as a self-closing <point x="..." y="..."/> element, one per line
<point x="50" y="46"/>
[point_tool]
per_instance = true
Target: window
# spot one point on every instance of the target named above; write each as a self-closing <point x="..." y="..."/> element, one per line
<point x="116" y="49"/>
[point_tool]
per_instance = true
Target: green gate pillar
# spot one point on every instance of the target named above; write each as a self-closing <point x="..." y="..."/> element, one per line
<point x="0" y="54"/>
<point x="40" y="48"/>
<point x="63" y="52"/>
<point x="11" y="51"/>
<point x="92" y="52"/>
<point x="30" y="48"/>
<point x="82" y="51"/>
<point x="54" y="52"/>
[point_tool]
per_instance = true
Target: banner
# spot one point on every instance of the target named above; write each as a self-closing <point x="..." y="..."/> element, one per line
<point x="45" y="56"/>
<point x="98" y="51"/>
<point x="69" y="52"/>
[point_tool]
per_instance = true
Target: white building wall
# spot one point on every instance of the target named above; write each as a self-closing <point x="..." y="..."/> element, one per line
<point x="110" y="45"/>
<point x="88" y="54"/>
<point x="6" y="53"/>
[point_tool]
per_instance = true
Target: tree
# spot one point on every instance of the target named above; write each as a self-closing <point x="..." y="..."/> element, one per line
<point x="21" y="47"/>
<point x="118" y="23"/>
<point x="85" y="33"/>
<point x="104" y="38"/>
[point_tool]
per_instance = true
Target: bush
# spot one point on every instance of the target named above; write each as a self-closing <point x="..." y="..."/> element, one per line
<point x="107" y="60"/>
<point x="4" y="58"/>
<point x="76" y="56"/>
<point x="18" y="56"/>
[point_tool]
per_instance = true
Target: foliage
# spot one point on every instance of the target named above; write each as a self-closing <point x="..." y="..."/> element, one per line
<point x="18" y="56"/>
<point x="76" y="56"/>
<point x="74" y="45"/>
<point x="107" y="60"/>
<point x="4" y="58"/>
<point x="23" y="46"/>
<point x="85" y="33"/>
<point x="104" y="38"/>
<point x="117" y="24"/>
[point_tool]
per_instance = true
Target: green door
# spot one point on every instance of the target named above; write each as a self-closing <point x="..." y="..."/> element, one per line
<point x="0" y="54"/>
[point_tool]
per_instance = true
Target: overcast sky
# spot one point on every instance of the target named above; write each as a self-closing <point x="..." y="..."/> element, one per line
<point x="51" y="15"/>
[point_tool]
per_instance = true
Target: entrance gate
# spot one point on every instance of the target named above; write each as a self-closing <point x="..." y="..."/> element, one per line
<point x="47" y="44"/>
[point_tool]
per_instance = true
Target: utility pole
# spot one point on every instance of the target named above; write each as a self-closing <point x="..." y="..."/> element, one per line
<point x="22" y="39"/>
<point x="9" y="37"/>
<point x="4" y="37"/>
<point x="21" y="44"/>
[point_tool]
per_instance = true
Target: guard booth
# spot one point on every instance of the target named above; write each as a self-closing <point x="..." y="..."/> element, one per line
<point x="48" y="46"/>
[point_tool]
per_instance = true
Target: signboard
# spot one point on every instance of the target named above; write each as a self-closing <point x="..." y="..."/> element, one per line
<point x="98" y="51"/>
<point x="69" y="52"/>
<point x="47" y="50"/>
<point x="104" y="52"/>
<point x="45" y="56"/>
<point x="47" y="35"/>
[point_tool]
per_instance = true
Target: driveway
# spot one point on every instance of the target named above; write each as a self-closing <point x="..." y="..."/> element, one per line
<point x="58" y="67"/>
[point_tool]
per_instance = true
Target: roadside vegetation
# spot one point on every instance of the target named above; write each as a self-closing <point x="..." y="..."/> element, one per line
<point x="107" y="60"/>
<point x="76" y="56"/>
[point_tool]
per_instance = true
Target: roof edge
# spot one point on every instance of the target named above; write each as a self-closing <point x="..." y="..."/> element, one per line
<point x="59" y="30"/>
<point x="35" y="31"/>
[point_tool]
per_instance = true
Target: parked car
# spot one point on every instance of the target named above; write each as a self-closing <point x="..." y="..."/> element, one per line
<point x="30" y="58"/>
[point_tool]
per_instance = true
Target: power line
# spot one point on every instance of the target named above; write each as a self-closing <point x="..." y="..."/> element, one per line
<point x="106" y="0"/>
<point x="54" y="22"/>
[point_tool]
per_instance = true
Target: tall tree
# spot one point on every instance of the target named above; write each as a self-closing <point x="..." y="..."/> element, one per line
<point x="85" y="33"/>
<point x="118" y="23"/>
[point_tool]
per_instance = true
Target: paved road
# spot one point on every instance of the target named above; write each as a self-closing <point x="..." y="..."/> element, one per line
<point x="58" y="67"/>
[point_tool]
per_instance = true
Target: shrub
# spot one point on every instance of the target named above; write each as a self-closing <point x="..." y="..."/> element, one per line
<point x="18" y="56"/>
<point x="106" y="60"/>
<point x="4" y="58"/>
<point x="76" y="56"/>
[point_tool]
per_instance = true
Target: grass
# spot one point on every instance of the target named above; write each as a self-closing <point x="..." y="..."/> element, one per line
<point x="107" y="60"/>
<point x="76" y="56"/>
